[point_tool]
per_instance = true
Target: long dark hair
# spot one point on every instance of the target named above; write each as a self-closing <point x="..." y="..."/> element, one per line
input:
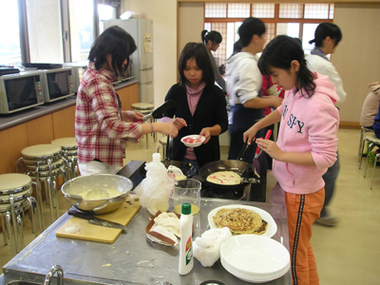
<point x="200" y="53"/>
<point x="251" y="26"/>
<point x="325" y="30"/>
<point x="214" y="36"/>
<point x="116" y="42"/>
<point x="279" y="53"/>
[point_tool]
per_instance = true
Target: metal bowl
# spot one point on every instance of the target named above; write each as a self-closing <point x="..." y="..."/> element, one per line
<point x="72" y="189"/>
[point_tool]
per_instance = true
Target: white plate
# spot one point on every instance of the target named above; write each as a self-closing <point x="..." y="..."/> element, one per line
<point x="193" y="144"/>
<point x="272" y="226"/>
<point x="254" y="258"/>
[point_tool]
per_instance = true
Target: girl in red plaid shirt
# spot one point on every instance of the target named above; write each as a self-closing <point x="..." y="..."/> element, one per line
<point x="101" y="128"/>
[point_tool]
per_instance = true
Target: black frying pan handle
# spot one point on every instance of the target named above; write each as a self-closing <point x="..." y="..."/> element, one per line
<point x="170" y="152"/>
<point x="243" y="151"/>
<point x="79" y="214"/>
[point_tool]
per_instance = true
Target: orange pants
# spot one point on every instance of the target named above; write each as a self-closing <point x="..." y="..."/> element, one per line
<point x="303" y="210"/>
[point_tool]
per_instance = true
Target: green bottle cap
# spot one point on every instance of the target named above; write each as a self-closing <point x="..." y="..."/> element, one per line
<point x="186" y="209"/>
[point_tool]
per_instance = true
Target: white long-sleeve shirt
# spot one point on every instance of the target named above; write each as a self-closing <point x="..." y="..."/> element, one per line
<point x="323" y="66"/>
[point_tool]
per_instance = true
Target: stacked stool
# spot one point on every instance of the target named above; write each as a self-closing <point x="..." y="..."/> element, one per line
<point x="145" y="109"/>
<point x="69" y="148"/>
<point x="44" y="163"/>
<point x="15" y="199"/>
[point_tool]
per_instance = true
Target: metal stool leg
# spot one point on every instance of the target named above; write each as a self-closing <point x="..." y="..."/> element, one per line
<point x="5" y="236"/>
<point x="20" y="233"/>
<point x="374" y="167"/>
<point x="40" y="205"/>
<point x="366" y="165"/>
<point x="14" y="221"/>
<point x="8" y="225"/>
<point x="361" y="154"/>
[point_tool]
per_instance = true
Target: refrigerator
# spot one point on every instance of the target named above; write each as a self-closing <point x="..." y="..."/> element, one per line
<point x="142" y="31"/>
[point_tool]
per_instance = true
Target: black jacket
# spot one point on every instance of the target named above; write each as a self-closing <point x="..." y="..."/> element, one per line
<point x="211" y="110"/>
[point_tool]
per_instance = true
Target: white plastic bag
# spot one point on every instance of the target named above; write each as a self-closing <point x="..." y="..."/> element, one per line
<point x="154" y="191"/>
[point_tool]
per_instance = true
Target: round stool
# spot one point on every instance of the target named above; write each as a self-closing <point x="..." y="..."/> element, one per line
<point x="69" y="148"/>
<point x="145" y="109"/>
<point x="44" y="163"/>
<point x="15" y="199"/>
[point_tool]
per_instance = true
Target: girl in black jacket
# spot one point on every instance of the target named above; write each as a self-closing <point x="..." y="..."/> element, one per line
<point x="200" y="107"/>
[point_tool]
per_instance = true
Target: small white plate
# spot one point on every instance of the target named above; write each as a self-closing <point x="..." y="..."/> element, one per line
<point x="189" y="140"/>
<point x="272" y="226"/>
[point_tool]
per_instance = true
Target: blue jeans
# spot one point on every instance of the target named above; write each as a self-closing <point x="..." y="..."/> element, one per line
<point x="330" y="177"/>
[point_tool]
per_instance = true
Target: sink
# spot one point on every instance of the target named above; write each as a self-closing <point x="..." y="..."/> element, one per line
<point x="20" y="282"/>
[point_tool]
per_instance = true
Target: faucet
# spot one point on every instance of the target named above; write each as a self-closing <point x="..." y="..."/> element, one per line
<point x="50" y="274"/>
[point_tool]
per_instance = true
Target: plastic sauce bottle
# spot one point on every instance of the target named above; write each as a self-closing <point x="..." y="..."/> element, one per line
<point x="186" y="261"/>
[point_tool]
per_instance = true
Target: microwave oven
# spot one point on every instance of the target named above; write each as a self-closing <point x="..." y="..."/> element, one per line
<point x="57" y="84"/>
<point x="78" y="70"/>
<point x="20" y="91"/>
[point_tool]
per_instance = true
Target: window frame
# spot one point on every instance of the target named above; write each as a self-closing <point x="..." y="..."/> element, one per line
<point x="275" y="20"/>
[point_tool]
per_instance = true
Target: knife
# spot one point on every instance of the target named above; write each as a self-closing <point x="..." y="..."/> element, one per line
<point x="94" y="220"/>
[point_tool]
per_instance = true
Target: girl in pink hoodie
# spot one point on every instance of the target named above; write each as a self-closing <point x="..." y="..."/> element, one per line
<point x="305" y="148"/>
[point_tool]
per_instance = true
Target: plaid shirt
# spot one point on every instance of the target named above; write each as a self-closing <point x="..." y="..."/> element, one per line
<point x="99" y="129"/>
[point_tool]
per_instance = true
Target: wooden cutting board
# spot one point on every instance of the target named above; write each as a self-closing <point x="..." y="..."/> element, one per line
<point x="77" y="228"/>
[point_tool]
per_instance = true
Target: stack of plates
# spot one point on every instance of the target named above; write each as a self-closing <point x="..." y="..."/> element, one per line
<point x="254" y="258"/>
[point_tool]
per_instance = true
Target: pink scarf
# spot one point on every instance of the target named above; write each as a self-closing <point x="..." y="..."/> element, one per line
<point x="193" y="96"/>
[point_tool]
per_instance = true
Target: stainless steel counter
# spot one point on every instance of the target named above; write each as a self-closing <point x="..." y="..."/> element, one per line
<point x="131" y="259"/>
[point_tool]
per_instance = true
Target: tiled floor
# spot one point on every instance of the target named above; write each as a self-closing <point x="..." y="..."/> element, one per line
<point x="346" y="254"/>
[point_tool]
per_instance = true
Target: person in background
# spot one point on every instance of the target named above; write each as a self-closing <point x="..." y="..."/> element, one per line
<point x="246" y="104"/>
<point x="369" y="111"/>
<point x="305" y="148"/>
<point x="200" y="107"/>
<point x="212" y="41"/>
<point x="326" y="38"/>
<point x="244" y="85"/>
<point x="100" y="129"/>
<point x="370" y="106"/>
<point x="376" y="129"/>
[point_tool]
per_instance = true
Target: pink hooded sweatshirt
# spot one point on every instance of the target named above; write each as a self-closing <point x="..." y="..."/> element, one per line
<point x="308" y="125"/>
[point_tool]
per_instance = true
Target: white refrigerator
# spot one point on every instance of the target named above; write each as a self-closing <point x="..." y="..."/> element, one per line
<point x="142" y="31"/>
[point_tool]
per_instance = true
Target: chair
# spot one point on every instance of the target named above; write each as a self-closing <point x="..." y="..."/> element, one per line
<point x="363" y="131"/>
<point x="44" y="164"/>
<point x="145" y="109"/>
<point x="15" y="199"/>
<point x="373" y="141"/>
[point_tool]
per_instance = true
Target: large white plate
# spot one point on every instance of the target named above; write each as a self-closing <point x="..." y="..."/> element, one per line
<point x="254" y="258"/>
<point x="272" y="226"/>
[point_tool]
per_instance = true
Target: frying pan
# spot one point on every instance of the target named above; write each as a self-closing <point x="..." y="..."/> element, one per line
<point x="160" y="111"/>
<point x="239" y="166"/>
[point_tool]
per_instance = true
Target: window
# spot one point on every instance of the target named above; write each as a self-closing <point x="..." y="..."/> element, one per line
<point x="68" y="36"/>
<point x="292" y="19"/>
<point x="81" y="28"/>
<point x="10" y="50"/>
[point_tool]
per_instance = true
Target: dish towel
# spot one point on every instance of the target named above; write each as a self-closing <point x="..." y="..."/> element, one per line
<point x="207" y="247"/>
